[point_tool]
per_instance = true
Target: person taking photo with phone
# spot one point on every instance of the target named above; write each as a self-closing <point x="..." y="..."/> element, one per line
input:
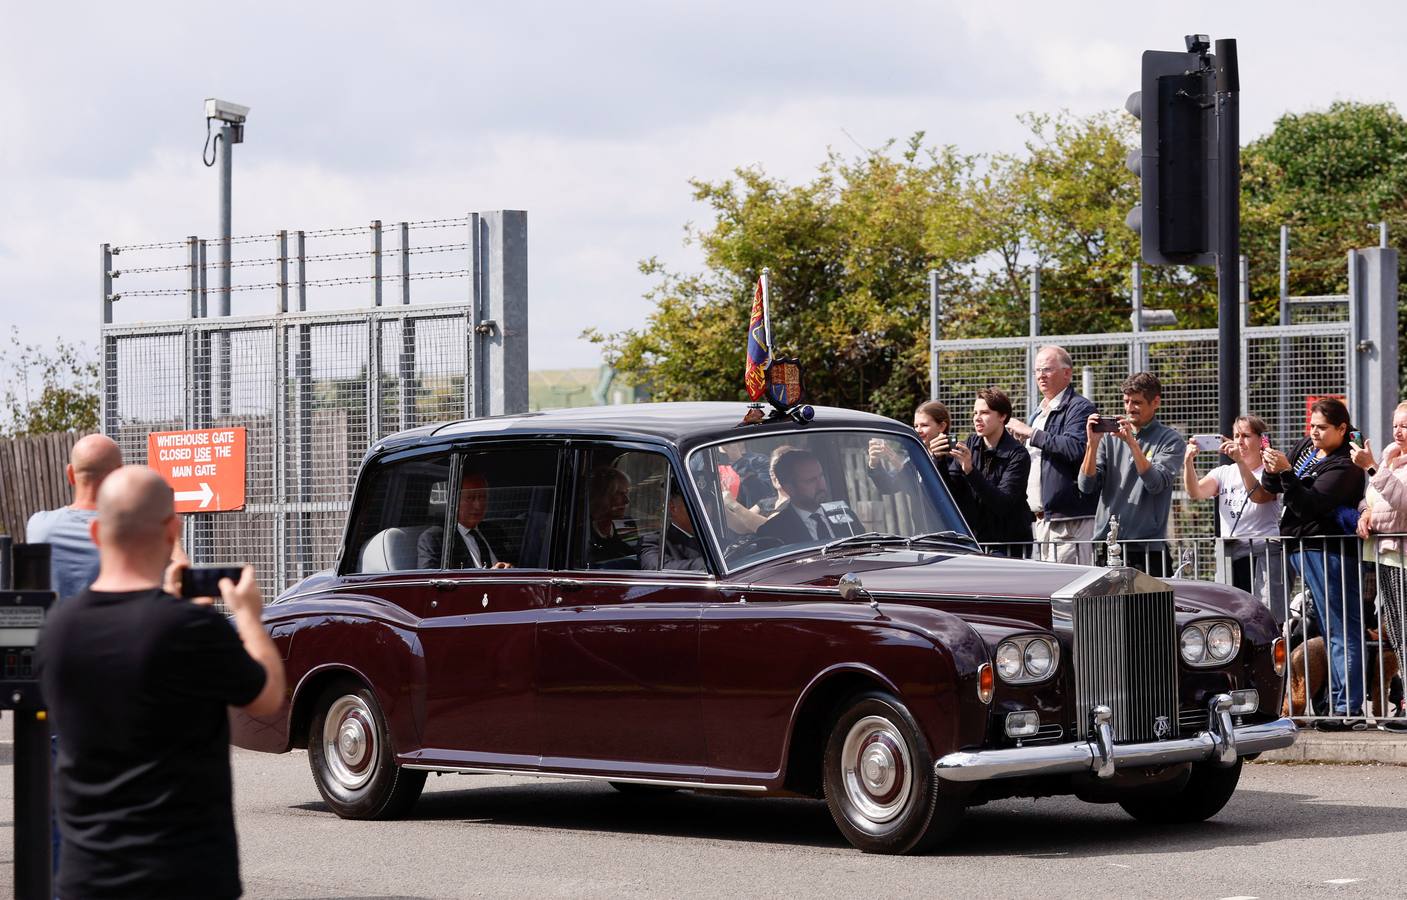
<point x="138" y="682"/>
<point x="1322" y="488"/>
<point x="1248" y="514"/>
<point x="1133" y="471"/>
<point x="995" y="468"/>
<point x="1382" y="522"/>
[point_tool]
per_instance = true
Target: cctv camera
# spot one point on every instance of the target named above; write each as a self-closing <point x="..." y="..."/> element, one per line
<point x="225" y="111"/>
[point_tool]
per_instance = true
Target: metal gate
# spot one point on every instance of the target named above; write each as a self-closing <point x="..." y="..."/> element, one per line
<point x="315" y="390"/>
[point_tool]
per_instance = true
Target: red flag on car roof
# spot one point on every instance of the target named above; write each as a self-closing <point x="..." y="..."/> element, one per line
<point x="758" y="348"/>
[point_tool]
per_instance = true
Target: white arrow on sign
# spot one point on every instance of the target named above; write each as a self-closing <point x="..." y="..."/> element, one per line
<point x="204" y="495"/>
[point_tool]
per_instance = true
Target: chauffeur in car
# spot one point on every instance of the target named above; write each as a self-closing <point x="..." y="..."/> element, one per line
<point x="881" y="661"/>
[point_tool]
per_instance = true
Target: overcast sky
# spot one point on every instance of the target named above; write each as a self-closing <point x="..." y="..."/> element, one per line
<point x="592" y="117"/>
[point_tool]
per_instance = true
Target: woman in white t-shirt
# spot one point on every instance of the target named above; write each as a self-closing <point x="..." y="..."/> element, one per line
<point x="1248" y="513"/>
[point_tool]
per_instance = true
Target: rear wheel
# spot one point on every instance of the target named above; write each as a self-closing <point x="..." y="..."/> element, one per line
<point x="879" y="779"/>
<point x="1208" y="789"/>
<point x="349" y="751"/>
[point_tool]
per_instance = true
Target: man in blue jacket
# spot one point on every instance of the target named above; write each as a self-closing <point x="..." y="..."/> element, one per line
<point x="1056" y="440"/>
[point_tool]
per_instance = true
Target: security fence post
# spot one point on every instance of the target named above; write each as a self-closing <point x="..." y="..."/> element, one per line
<point x="935" y="304"/>
<point x="1376" y="344"/>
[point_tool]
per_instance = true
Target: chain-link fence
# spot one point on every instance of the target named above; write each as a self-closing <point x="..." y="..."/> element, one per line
<point x="1284" y="365"/>
<point x="312" y="390"/>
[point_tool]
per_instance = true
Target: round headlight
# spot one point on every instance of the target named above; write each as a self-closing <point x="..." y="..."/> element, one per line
<point x="1008" y="660"/>
<point x="1221" y="641"/>
<point x="1193" y="644"/>
<point x="1038" y="659"/>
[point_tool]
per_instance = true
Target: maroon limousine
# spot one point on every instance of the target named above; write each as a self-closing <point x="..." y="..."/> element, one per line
<point x="665" y="597"/>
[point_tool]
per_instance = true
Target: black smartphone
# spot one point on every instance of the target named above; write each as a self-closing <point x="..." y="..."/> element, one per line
<point x="205" y="580"/>
<point x="1107" y="425"/>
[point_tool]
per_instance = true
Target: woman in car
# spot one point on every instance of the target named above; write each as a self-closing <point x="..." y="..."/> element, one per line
<point x="1320" y="484"/>
<point x="1248" y="513"/>
<point x="1384" y="512"/>
<point x="995" y="468"/>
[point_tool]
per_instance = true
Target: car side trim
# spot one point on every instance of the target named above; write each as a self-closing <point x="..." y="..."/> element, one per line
<point x="878" y="595"/>
<point x="573" y="776"/>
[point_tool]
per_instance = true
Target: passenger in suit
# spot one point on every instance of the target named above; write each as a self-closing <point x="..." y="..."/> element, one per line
<point x="475" y="544"/>
<point x="682" y="549"/>
<point x="803" y="520"/>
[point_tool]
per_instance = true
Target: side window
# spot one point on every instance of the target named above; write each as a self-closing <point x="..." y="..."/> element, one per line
<point x="631" y="516"/>
<point x="400" y="519"/>
<point x="620" y="498"/>
<point x="503" y="507"/>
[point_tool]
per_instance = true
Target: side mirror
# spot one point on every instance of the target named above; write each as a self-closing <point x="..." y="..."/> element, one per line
<point x="851" y="588"/>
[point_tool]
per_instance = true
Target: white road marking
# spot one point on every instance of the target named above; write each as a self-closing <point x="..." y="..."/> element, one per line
<point x="1342" y="880"/>
<point x="1245" y="897"/>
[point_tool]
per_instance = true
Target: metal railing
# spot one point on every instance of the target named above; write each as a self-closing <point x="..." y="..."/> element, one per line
<point x="1339" y="601"/>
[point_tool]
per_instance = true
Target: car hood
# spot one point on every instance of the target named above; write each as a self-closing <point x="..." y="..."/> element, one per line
<point x="922" y="576"/>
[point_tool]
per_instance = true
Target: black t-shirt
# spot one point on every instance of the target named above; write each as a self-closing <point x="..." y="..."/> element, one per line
<point x="137" y="686"/>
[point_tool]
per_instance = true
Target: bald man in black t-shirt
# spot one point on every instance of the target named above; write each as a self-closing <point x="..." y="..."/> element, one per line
<point x="138" y="682"/>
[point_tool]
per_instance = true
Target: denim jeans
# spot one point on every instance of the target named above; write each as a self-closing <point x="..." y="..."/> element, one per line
<point x="1329" y="567"/>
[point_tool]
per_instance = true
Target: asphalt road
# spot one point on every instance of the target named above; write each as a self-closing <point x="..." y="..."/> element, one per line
<point x="1290" y="831"/>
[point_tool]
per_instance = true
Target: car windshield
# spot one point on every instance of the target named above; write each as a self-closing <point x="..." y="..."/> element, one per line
<point x="772" y="494"/>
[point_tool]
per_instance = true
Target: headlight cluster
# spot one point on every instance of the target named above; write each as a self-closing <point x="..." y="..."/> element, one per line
<point x="1212" y="642"/>
<point x="1027" y="658"/>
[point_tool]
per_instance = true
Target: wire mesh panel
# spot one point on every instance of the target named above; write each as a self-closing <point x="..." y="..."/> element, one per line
<point x="979" y="364"/>
<point x="312" y="391"/>
<point x="1284" y="366"/>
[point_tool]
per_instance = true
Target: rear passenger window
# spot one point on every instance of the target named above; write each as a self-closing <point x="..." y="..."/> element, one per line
<point x="503" y="506"/>
<point x="401" y="516"/>
<point x="619" y="497"/>
<point x="631" y="516"/>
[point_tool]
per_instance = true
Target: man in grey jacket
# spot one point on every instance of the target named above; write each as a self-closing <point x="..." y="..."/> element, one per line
<point x="1134" y="470"/>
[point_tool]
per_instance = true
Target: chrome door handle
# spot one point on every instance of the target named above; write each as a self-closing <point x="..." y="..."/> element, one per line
<point x="567" y="584"/>
<point x="443" y="584"/>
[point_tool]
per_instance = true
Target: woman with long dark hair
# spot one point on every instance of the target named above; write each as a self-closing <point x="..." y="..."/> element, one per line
<point x="1321" y="488"/>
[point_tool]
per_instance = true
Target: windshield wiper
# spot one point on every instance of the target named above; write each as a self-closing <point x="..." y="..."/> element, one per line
<point x="869" y="537"/>
<point x="946" y="537"/>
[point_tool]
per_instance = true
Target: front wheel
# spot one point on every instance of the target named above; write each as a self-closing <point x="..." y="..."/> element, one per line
<point x="879" y="779"/>
<point x="349" y="751"/>
<point x="1207" y="790"/>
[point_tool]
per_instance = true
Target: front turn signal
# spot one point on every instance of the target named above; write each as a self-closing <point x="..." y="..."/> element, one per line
<point x="1277" y="654"/>
<point x="986" y="682"/>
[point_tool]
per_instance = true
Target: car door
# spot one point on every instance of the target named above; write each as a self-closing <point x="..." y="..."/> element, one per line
<point x="478" y="633"/>
<point x="617" y="660"/>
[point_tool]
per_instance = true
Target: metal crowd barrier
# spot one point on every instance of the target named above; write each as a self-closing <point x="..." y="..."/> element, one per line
<point x="1361" y="586"/>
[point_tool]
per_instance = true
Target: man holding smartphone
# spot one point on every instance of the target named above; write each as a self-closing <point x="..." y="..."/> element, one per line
<point x="1132" y="468"/>
<point x="138" y="682"/>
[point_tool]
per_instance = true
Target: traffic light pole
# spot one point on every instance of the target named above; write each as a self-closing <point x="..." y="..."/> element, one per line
<point x="1228" y="250"/>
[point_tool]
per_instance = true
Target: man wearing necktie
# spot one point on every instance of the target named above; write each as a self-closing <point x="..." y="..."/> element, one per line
<point x="802" y="520"/>
<point x="472" y="546"/>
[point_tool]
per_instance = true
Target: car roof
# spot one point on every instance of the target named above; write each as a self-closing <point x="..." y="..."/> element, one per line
<point x="683" y="425"/>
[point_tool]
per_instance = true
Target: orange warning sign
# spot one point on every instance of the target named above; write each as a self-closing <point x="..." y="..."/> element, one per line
<point x="204" y="467"/>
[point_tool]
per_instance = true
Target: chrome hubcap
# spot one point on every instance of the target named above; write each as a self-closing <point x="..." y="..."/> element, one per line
<point x="349" y="742"/>
<point x="878" y="772"/>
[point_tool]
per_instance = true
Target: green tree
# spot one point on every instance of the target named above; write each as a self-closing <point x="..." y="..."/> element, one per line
<point x="46" y="391"/>
<point x="849" y="254"/>
<point x="1328" y="175"/>
<point x="850" y="250"/>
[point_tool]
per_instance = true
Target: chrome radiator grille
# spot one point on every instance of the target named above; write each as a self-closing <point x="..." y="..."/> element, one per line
<point x="1126" y="659"/>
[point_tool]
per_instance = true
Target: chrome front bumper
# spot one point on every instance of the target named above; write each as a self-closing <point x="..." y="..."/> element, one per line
<point x="1222" y="742"/>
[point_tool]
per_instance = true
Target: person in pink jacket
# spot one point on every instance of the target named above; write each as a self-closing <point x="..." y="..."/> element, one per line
<point x="1383" y="511"/>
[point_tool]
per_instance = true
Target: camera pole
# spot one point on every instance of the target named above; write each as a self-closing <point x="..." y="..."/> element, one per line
<point x="1228" y="251"/>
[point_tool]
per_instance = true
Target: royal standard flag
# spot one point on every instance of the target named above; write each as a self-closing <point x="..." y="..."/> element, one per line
<point x="758" y="354"/>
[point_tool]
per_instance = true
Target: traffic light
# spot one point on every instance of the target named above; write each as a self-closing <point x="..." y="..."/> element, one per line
<point x="1177" y="159"/>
